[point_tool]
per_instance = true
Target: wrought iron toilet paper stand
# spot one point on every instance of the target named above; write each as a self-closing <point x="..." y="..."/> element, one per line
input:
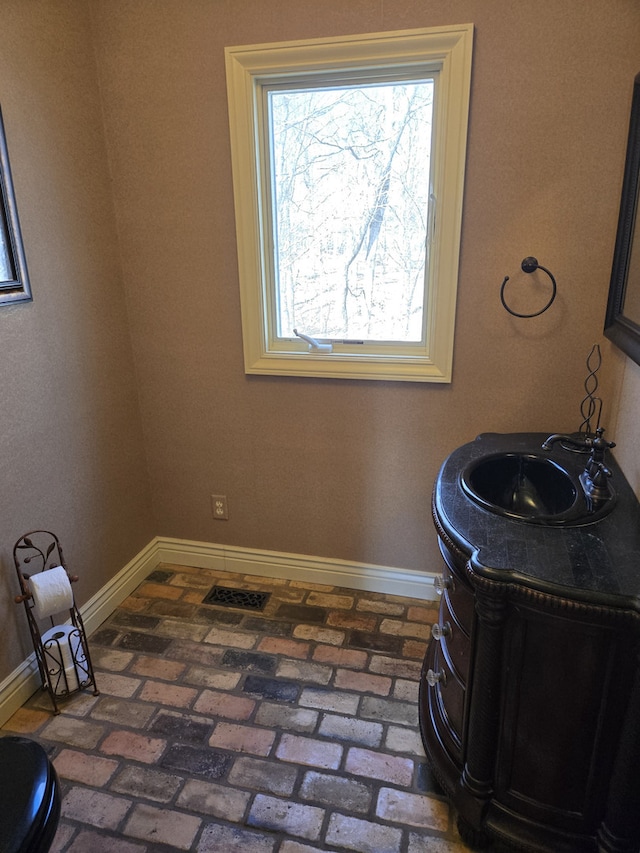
<point x="62" y="652"/>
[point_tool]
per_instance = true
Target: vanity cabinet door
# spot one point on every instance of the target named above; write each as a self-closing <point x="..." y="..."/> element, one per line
<point x="563" y="705"/>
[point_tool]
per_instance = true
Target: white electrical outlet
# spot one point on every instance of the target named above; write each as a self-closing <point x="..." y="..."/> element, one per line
<point x="219" y="507"/>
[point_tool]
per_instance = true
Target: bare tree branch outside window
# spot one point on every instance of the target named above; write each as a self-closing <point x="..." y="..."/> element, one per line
<point x="350" y="197"/>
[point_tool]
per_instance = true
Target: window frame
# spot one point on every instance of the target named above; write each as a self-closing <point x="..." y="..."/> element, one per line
<point x="445" y="51"/>
<point x="17" y="287"/>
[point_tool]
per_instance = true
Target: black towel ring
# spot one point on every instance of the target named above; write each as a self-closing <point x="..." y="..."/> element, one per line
<point x="530" y="265"/>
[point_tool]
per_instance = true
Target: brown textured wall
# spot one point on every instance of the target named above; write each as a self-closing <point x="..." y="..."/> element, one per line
<point x="627" y="429"/>
<point x="322" y="467"/>
<point x="71" y="458"/>
<point x="344" y="468"/>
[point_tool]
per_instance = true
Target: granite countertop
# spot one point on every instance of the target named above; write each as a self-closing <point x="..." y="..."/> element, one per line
<point x="597" y="562"/>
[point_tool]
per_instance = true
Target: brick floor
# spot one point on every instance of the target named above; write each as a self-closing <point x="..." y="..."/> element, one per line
<point x="226" y="730"/>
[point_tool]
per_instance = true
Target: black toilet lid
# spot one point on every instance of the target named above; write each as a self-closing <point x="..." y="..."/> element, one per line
<point x="27" y="793"/>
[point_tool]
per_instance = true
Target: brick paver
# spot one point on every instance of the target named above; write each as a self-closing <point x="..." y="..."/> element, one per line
<point x="351" y="730"/>
<point x="404" y="740"/>
<point x="175" y="829"/>
<point x="304" y="750"/>
<point x="315" y="673"/>
<point x="389" y="710"/>
<point x="282" y="646"/>
<point x="233" y="839"/>
<point x="133" y="745"/>
<point x="231" y="639"/>
<point x="336" y="791"/>
<point x="319" y="635"/>
<point x="401" y="628"/>
<point x="292" y="719"/>
<point x="289" y="846"/>
<point x="133" y="714"/>
<point x="379" y="765"/>
<point x="95" y="807"/>
<point x="81" y="767"/>
<point x="336" y="602"/>
<point x="27" y="720"/>
<point x="260" y="775"/>
<point x="157" y="668"/>
<point x="152" y="590"/>
<point x="363" y="681"/>
<point x="115" y="660"/>
<point x="242" y="738"/>
<point x="112" y="684"/>
<point x="210" y="798"/>
<point x="384" y="665"/>
<point x="154" y="785"/>
<point x="406" y="690"/>
<point x="387" y="608"/>
<point x="330" y="700"/>
<point x="284" y="816"/>
<point x="204" y="677"/>
<point x="224" y="705"/>
<point x="92" y="841"/>
<point x="340" y="657"/>
<point x="168" y="694"/>
<point x="78" y="733"/>
<point x="402" y="807"/>
<point x="342" y="619"/>
<point x="363" y="836"/>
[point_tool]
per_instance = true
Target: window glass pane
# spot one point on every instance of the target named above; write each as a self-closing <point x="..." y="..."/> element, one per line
<point x="350" y="167"/>
<point x="7" y="273"/>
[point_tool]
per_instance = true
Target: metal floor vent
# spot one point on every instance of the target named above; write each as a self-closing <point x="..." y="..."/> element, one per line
<point x="247" y="599"/>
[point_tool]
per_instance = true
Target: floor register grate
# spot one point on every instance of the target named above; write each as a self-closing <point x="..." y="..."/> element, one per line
<point x="246" y="599"/>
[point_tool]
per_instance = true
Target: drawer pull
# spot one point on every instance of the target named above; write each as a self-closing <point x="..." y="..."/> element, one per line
<point x="440" y="584"/>
<point x="439" y="631"/>
<point x="434" y="678"/>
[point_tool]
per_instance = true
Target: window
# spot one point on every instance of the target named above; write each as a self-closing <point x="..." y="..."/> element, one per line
<point x="348" y="165"/>
<point x="14" y="280"/>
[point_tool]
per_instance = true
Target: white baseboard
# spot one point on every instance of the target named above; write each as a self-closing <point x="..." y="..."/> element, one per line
<point x="299" y="567"/>
<point x="25" y="678"/>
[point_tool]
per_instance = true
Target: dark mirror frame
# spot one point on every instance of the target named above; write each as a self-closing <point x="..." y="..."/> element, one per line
<point x="619" y="327"/>
<point x="16" y="288"/>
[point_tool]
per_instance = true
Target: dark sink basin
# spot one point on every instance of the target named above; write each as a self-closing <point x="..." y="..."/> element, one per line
<point x="524" y="486"/>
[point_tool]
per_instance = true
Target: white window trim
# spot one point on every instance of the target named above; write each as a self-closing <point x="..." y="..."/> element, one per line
<point x="448" y="51"/>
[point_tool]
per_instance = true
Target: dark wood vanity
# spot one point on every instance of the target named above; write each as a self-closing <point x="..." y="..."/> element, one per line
<point x="530" y="691"/>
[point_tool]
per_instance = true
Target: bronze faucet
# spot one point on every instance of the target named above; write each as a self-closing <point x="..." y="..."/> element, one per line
<point x="595" y="477"/>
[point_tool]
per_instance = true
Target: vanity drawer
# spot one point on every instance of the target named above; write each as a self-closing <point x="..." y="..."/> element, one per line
<point x="461" y="605"/>
<point x="460" y="598"/>
<point x="450" y="696"/>
<point x="455" y="643"/>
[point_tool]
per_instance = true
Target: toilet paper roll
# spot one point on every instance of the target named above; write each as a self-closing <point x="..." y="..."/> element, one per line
<point x="51" y="592"/>
<point x="60" y="644"/>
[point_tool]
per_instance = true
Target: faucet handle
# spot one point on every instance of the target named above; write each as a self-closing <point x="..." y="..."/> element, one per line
<point x="601" y="474"/>
<point x="600" y="442"/>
